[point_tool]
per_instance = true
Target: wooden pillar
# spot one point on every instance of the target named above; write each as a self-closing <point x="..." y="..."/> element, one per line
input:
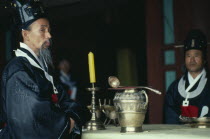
<point x="154" y="37"/>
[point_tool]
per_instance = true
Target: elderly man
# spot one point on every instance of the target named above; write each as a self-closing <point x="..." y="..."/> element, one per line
<point x="32" y="106"/>
<point x="190" y="95"/>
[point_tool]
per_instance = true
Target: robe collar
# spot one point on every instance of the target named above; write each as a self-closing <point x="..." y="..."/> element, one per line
<point x="25" y="48"/>
<point x="201" y="84"/>
<point x="20" y="53"/>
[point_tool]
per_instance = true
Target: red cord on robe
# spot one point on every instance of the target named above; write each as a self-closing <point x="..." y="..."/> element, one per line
<point x="54" y="98"/>
<point x="189" y="111"/>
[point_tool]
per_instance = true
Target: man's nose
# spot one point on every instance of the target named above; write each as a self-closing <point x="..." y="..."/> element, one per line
<point x="192" y="59"/>
<point x="49" y="35"/>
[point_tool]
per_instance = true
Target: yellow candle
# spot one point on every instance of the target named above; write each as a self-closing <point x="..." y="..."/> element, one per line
<point x="91" y="67"/>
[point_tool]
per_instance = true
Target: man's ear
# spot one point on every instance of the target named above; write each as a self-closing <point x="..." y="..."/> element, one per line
<point x="25" y="34"/>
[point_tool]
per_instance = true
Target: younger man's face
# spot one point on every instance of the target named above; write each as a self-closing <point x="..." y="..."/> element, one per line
<point x="194" y="60"/>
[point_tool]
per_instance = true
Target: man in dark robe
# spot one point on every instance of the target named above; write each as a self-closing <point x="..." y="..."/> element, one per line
<point x="190" y="95"/>
<point x="32" y="105"/>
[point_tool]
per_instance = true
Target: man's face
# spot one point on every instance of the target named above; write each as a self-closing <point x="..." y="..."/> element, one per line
<point x="194" y="60"/>
<point x="39" y="35"/>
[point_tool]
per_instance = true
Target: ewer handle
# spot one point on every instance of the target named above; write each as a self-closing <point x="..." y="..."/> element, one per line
<point x="146" y="98"/>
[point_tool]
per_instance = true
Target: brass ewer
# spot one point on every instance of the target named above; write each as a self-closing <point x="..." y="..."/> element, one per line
<point x="131" y="105"/>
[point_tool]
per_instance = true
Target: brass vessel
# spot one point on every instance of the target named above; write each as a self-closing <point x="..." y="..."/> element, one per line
<point x="131" y="106"/>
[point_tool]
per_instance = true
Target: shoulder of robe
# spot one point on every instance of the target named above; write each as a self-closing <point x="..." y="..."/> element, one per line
<point x="15" y="65"/>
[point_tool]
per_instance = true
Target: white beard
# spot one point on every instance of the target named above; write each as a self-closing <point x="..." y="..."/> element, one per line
<point x="45" y="53"/>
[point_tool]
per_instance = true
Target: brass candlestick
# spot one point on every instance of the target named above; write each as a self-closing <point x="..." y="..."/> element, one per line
<point x="94" y="123"/>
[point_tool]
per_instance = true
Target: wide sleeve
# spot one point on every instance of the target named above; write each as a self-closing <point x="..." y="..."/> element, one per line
<point x="79" y="113"/>
<point x="19" y="96"/>
<point x="171" y="108"/>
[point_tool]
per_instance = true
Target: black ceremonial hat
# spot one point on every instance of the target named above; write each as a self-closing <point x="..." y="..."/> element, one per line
<point x="195" y="39"/>
<point x="27" y="11"/>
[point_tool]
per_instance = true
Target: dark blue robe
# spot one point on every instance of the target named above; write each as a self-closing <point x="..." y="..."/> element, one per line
<point x="173" y="101"/>
<point x="27" y="108"/>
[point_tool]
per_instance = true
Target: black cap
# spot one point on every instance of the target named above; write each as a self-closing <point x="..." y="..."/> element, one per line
<point x="27" y="11"/>
<point x="195" y="39"/>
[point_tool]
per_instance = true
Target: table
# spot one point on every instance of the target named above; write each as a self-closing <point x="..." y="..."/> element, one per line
<point x="151" y="131"/>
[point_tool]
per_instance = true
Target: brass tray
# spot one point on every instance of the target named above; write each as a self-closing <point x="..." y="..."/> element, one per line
<point x="201" y="122"/>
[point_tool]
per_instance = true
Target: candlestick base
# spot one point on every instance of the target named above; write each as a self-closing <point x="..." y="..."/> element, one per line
<point x="94" y="125"/>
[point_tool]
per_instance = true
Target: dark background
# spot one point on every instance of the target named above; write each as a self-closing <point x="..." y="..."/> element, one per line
<point x="78" y="27"/>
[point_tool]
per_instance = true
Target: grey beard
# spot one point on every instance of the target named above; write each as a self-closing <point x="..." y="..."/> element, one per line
<point x="45" y="54"/>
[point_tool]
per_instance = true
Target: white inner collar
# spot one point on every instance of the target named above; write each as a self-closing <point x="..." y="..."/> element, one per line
<point x="191" y="79"/>
<point x="25" y="46"/>
<point x="183" y="92"/>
